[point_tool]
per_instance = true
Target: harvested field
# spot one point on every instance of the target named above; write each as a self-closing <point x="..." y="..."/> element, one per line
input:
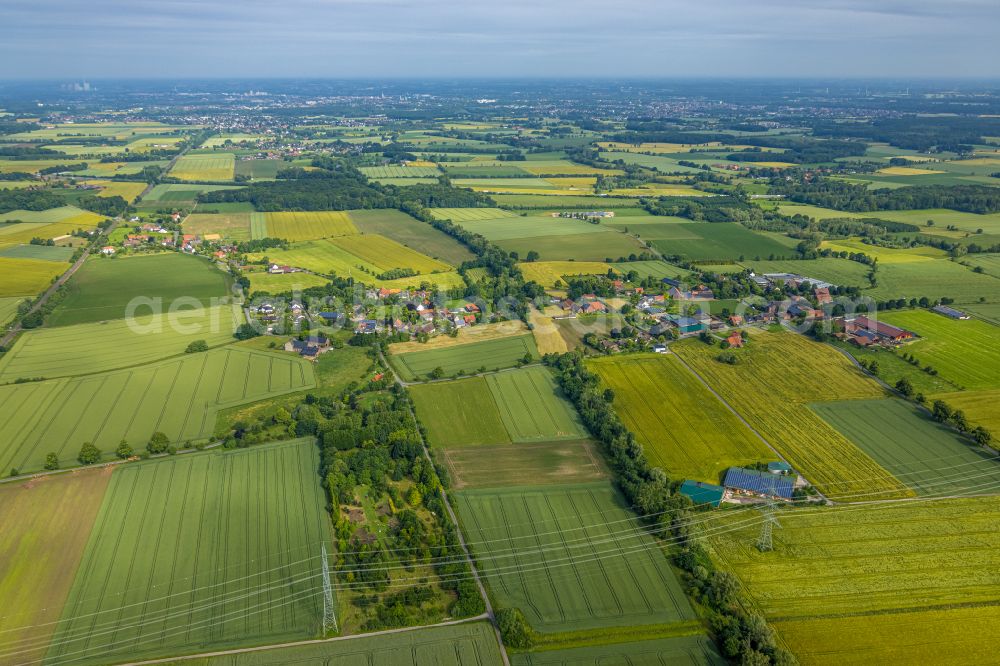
<point x="535" y="463"/>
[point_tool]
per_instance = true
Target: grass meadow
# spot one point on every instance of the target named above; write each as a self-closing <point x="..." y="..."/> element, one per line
<point x="199" y="552"/>
<point x="102" y="288"/>
<point x="599" y="246"/>
<point x="683" y="427"/>
<point x="965" y="352"/>
<point x="559" y="554"/>
<point x="777" y="375"/>
<point x="180" y="397"/>
<point x="704" y="241"/>
<point x="466" y="358"/>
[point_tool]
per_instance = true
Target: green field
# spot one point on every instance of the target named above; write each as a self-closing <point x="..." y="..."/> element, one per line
<point x="469" y="644"/>
<point x="213" y="167"/>
<point x="654" y="269"/>
<point x="570" y="558"/>
<point x="8" y="309"/>
<point x="88" y="348"/>
<point x="892" y="367"/>
<point x="513" y="228"/>
<point x="965" y="352"/>
<point x="894" y="573"/>
<point x="302" y="225"/>
<point x="704" y="241"/>
<point x="401" y="172"/>
<point x="680" y="651"/>
<point x="532" y="407"/>
<point x="45" y="252"/>
<point x="284" y="282"/>
<point x="235" y="226"/>
<point x="459" y="413"/>
<point x="581" y="247"/>
<point x="259" y="169"/>
<point x="565" y="202"/>
<point x="179" y="397"/>
<point x="925" y="455"/>
<point x="102" y="288"/>
<point x="412" y="233"/>
<point x="461" y="215"/>
<point x="683" y="427"/>
<point x="200" y="552"/>
<point x="775" y="377"/>
<point x="935" y="279"/>
<point x="46" y="527"/>
<point x="181" y="194"/>
<point x="492" y="354"/>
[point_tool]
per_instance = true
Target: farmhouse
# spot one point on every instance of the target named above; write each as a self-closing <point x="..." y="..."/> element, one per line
<point x="703" y="493"/>
<point x="949" y="312"/>
<point x="735" y="339"/>
<point x="309" y="348"/>
<point x="883" y="332"/>
<point x="107" y="250"/>
<point x="752" y="482"/>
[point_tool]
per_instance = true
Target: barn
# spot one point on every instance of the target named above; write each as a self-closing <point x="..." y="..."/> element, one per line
<point x="763" y="484"/>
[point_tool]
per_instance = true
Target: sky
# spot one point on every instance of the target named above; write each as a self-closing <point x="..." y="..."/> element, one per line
<point x="99" y="39"/>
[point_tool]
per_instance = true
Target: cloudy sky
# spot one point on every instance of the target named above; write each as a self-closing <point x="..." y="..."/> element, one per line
<point x="461" y="38"/>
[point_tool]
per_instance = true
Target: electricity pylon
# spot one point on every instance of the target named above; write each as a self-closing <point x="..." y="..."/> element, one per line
<point x="329" y="612"/>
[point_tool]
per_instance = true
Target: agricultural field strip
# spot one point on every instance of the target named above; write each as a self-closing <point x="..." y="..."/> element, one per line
<point x="97" y="347"/>
<point x="590" y="592"/>
<point x="910" y="445"/>
<point x="178" y="397"/>
<point x="966" y="353"/>
<point x="492" y="354"/>
<point x="531" y="407"/>
<point x="898" y="556"/>
<point x="279" y="503"/>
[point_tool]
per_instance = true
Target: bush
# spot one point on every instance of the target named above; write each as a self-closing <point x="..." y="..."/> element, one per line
<point x="124" y="450"/>
<point x="514" y="628"/>
<point x="51" y="461"/>
<point x="196" y="346"/>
